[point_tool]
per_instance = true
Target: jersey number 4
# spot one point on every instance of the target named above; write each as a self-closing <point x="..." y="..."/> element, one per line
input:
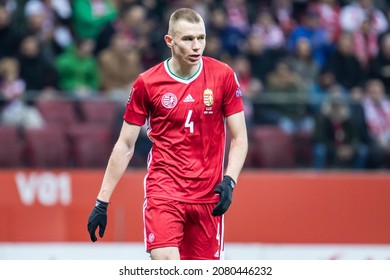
<point x="189" y="124"/>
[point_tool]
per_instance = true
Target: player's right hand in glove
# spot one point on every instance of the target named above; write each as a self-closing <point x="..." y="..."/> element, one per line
<point x="225" y="191"/>
<point x="98" y="218"/>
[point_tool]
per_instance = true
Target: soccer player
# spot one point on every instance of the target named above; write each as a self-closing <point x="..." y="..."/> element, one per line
<point x="186" y="100"/>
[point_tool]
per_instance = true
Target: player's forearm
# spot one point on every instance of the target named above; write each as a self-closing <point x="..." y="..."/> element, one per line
<point x="117" y="164"/>
<point x="237" y="155"/>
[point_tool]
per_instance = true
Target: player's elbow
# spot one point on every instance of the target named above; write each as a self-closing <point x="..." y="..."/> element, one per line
<point x="124" y="147"/>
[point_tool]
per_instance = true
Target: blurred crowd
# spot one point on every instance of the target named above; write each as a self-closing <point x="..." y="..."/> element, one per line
<point x="314" y="68"/>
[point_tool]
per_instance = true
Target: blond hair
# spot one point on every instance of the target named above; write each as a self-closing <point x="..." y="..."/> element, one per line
<point x="186" y="14"/>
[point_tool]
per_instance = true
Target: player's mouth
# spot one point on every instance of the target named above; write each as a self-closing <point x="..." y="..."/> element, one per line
<point x="195" y="57"/>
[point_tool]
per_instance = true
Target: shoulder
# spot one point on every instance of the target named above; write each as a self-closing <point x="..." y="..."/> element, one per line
<point x="216" y="66"/>
<point x="212" y="62"/>
<point x="153" y="73"/>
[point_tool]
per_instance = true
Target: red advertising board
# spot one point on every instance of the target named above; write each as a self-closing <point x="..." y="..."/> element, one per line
<point x="268" y="207"/>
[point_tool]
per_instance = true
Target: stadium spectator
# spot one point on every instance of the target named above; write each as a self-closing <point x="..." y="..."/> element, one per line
<point x="35" y="19"/>
<point x="262" y="60"/>
<point x="155" y="9"/>
<point x="329" y="12"/>
<point x="15" y="111"/>
<point x="237" y="14"/>
<point x="284" y="80"/>
<point x="125" y="4"/>
<point x="344" y="64"/>
<point x="356" y="97"/>
<point x="231" y="37"/>
<point x="324" y="85"/>
<point x="380" y="67"/>
<point x="9" y="5"/>
<point x="318" y="37"/>
<point x="302" y="63"/>
<point x="11" y="85"/>
<point x="9" y="36"/>
<point x="377" y="113"/>
<point x="38" y="73"/>
<point x="353" y="15"/>
<point x="214" y="48"/>
<point x="90" y="16"/>
<point x="249" y="84"/>
<point x="129" y="23"/>
<point x="78" y="70"/>
<point x="270" y="33"/>
<point x="242" y="68"/>
<point x="365" y="41"/>
<point x="336" y="140"/>
<point x="283" y="12"/>
<point x="119" y="65"/>
<point x="288" y="98"/>
<point x="53" y="16"/>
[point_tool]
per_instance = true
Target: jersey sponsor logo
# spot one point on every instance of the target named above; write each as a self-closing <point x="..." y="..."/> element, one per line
<point x="208" y="97"/>
<point x="169" y="100"/>
<point x="189" y="98"/>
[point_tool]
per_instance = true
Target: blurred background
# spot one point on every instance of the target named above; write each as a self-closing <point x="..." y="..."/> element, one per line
<point x="316" y="82"/>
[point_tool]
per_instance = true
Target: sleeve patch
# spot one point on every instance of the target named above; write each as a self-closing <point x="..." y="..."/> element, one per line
<point x="130" y="95"/>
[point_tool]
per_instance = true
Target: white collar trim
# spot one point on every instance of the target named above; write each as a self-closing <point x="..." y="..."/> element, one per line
<point x="180" y="79"/>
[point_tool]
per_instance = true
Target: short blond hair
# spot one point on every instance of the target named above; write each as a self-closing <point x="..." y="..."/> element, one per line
<point x="186" y="14"/>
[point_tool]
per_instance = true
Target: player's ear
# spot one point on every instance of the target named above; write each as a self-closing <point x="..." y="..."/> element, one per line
<point x="168" y="40"/>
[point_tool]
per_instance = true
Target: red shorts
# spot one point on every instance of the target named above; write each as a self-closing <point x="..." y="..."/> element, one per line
<point x="189" y="227"/>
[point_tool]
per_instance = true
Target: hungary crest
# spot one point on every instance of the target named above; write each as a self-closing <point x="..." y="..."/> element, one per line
<point x="208" y="97"/>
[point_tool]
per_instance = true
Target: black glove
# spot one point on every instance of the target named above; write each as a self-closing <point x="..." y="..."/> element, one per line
<point x="98" y="217"/>
<point x="225" y="190"/>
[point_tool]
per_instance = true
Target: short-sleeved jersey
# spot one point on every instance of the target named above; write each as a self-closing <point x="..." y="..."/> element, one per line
<point x="186" y="124"/>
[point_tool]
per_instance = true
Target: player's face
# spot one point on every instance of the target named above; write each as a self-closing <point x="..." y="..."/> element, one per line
<point x="188" y="42"/>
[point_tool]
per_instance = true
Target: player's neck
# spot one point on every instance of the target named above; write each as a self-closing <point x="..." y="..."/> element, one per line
<point x="181" y="70"/>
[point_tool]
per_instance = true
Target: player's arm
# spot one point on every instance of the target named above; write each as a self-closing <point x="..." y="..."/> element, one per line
<point x="238" y="145"/>
<point x="120" y="157"/>
<point x="119" y="160"/>
<point x="237" y="154"/>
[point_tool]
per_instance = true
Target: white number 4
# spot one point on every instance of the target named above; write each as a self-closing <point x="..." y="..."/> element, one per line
<point x="189" y="124"/>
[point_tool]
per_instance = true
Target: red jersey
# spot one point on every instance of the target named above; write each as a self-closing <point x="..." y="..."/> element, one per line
<point x="186" y="123"/>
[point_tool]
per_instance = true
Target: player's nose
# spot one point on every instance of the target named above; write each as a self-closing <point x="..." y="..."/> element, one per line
<point x="196" y="44"/>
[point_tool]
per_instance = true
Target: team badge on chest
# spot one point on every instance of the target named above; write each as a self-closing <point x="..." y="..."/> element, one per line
<point x="169" y="100"/>
<point x="208" y="97"/>
<point x="208" y="100"/>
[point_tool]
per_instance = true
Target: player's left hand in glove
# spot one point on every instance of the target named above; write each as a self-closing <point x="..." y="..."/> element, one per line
<point x="225" y="191"/>
<point x="98" y="218"/>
